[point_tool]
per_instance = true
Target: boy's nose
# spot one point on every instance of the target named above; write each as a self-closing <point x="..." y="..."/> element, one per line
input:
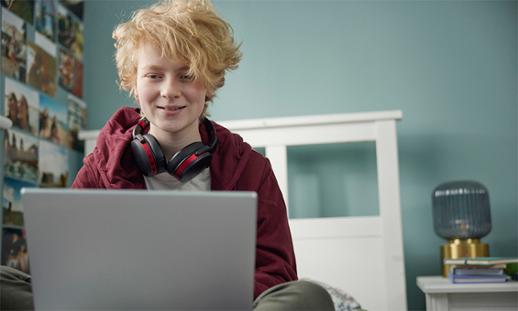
<point x="170" y="89"/>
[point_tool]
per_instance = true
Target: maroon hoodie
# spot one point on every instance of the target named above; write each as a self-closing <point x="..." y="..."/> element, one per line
<point x="235" y="166"/>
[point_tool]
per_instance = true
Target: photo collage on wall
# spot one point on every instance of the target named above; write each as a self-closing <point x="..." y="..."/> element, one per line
<point x="43" y="90"/>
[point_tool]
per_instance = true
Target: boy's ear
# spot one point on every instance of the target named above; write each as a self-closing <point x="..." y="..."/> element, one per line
<point x="209" y="96"/>
<point x="135" y="95"/>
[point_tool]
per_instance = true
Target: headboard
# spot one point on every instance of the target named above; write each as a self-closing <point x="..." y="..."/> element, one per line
<point x="360" y="255"/>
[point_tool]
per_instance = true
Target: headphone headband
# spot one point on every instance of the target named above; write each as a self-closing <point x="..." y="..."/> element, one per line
<point x="142" y="123"/>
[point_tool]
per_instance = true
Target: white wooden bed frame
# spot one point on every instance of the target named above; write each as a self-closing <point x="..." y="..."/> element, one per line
<point x="360" y="255"/>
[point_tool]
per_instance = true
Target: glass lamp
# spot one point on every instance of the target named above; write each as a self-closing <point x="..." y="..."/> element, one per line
<point x="461" y="215"/>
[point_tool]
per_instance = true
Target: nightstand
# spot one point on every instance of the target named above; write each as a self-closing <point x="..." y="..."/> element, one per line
<point x="442" y="295"/>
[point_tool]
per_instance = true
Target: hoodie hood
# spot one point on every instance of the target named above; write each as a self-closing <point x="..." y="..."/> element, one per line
<point x="113" y="158"/>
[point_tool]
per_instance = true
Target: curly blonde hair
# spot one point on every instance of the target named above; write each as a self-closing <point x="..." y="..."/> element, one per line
<point x="183" y="29"/>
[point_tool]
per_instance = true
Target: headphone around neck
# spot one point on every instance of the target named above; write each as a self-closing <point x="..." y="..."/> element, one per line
<point x="183" y="165"/>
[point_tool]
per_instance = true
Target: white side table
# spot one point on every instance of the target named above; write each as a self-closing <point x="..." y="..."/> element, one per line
<point x="441" y="295"/>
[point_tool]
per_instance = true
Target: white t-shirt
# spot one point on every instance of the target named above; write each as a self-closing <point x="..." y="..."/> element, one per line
<point x="165" y="181"/>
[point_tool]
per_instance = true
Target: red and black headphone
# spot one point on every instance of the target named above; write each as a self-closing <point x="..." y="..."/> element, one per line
<point x="184" y="165"/>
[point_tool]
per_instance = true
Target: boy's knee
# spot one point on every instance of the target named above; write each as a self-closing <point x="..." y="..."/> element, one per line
<point x="15" y="290"/>
<point x="309" y="288"/>
<point x="313" y="294"/>
<point x="297" y="295"/>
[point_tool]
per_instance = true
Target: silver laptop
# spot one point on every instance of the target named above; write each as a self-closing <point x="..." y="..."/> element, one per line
<point x="140" y="250"/>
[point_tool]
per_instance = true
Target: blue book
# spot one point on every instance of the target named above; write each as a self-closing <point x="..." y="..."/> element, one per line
<point x="478" y="271"/>
<point x="474" y="279"/>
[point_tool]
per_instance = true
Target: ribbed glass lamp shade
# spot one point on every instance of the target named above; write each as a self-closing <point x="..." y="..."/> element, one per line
<point x="461" y="210"/>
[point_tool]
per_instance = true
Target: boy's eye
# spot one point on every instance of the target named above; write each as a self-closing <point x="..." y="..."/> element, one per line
<point x="153" y="76"/>
<point x="186" y="77"/>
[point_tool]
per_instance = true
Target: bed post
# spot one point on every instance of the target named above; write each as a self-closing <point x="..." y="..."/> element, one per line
<point x="390" y="212"/>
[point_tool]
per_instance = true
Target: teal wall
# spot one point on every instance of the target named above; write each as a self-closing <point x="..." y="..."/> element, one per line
<point x="450" y="66"/>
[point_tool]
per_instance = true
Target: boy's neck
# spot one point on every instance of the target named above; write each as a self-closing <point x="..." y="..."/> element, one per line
<point x="171" y="143"/>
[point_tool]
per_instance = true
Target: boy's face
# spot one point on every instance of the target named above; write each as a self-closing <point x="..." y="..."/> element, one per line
<point x="170" y="99"/>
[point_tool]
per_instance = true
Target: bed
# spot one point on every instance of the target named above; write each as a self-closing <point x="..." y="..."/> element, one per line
<point x="362" y="256"/>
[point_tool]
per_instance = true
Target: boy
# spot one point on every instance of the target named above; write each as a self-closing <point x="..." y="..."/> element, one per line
<point x="172" y="58"/>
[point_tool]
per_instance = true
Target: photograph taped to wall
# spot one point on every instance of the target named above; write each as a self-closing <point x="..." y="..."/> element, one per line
<point x="76" y="121"/>
<point x="66" y="69"/>
<point x="41" y="69"/>
<point x="54" y="169"/>
<point x="14" y="48"/>
<point x="44" y="12"/>
<point x="70" y="32"/>
<point x="21" y="155"/>
<point x="53" y="121"/>
<point x="22" y="106"/>
<point x="14" y="249"/>
<point x="77" y="88"/>
<point x="70" y="73"/>
<point x="46" y="44"/>
<point x="24" y="8"/>
<point x="11" y="201"/>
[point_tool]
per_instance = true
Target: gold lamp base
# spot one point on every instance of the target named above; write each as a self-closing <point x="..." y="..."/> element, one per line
<point x="458" y="248"/>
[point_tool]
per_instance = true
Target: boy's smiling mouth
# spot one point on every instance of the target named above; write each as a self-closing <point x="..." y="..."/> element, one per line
<point x="171" y="107"/>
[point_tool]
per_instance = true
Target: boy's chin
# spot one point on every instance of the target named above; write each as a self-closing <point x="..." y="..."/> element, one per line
<point x="172" y="127"/>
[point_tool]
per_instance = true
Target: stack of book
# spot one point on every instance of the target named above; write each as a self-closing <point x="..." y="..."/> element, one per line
<point x="479" y="269"/>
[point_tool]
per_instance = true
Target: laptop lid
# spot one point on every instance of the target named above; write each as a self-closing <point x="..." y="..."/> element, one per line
<point x="140" y="250"/>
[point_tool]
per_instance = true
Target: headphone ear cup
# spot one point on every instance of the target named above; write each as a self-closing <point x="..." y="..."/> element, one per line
<point x="143" y="158"/>
<point x="195" y="167"/>
<point x="148" y="155"/>
<point x="186" y="164"/>
<point x="158" y="155"/>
